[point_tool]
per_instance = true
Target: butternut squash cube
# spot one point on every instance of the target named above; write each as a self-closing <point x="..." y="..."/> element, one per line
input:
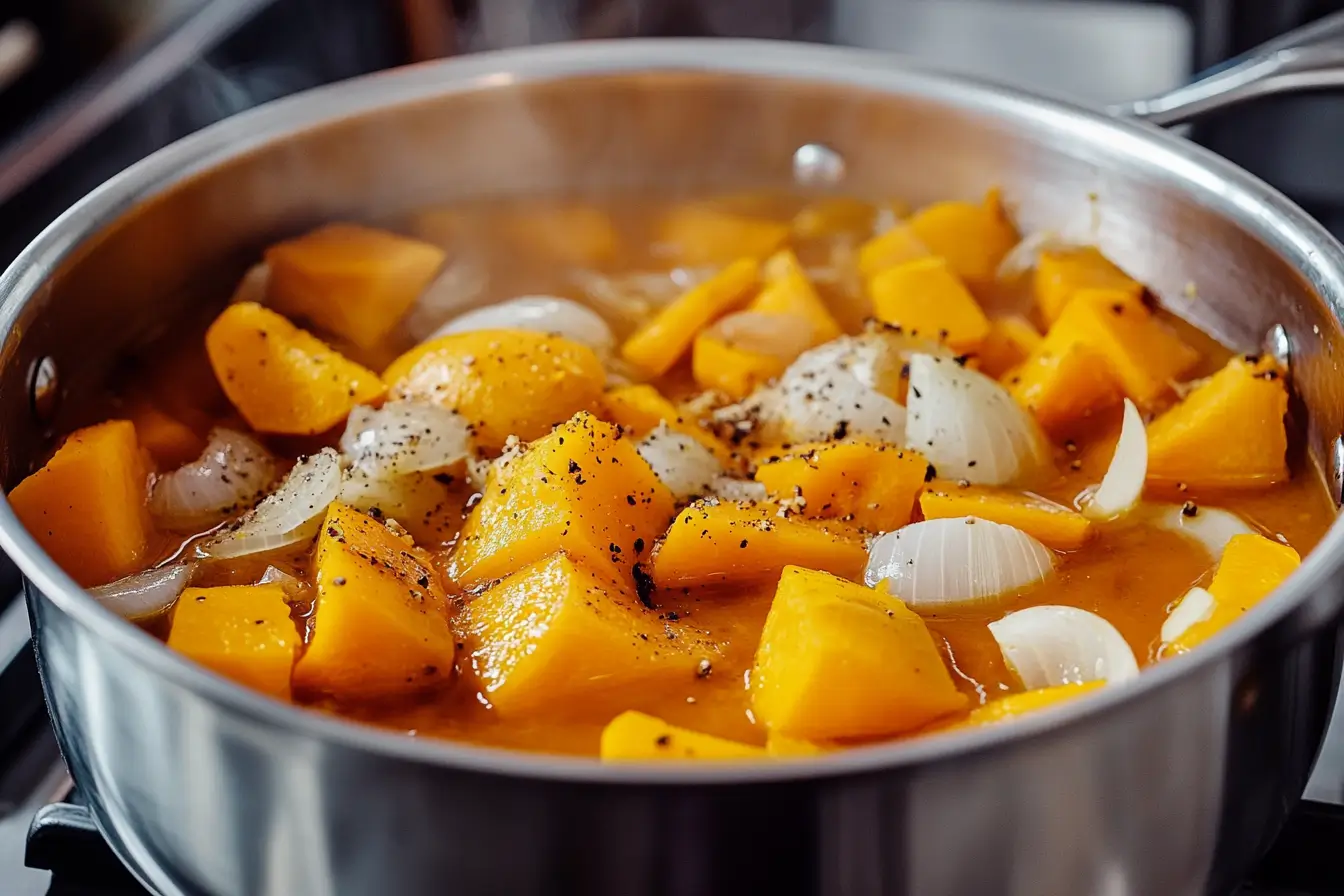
<point x="1063" y="386"/>
<point x="702" y="234"/>
<point x="582" y="490"/>
<point x="885" y="251"/>
<point x="661" y="342"/>
<point x="925" y="298"/>
<point x="351" y="281"/>
<point x="1054" y="525"/>
<point x="380" y="623"/>
<point x="1014" y="706"/>
<point x="280" y="378"/>
<point x="169" y="441"/>
<point x="871" y="485"/>
<point x="639" y="409"/>
<point x="717" y="363"/>
<point x="714" y="542"/>
<point x="1061" y="274"/>
<point x="243" y="632"/>
<point x="1251" y="568"/>
<point x="634" y="736"/>
<point x="786" y="289"/>
<point x="833" y="216"/>
<point x="973" y="238"/>
<point x="88" y="506"/>
<point x="556" y="637"/>
<point x="504" y="382"/>
<point x="838" y="660"/>
<point x="1227" y="433"/>
<point x="1011" y="339"/>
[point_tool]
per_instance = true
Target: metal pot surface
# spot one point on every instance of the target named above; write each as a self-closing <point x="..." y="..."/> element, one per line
<point x="1173" y="785"/>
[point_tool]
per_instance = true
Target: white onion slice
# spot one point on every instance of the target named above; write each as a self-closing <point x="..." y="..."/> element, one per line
<point x="145" y="593"/>
<point x="935" y="564"/>
<point x="408" y="497"/>
<point x="1027" y="253"/>
<point x="1212" y="527"/>
<point x="633" y="297"/>
<point x="686" y="467"/>
<point x="1196" y="606"/>
<point x="1122" y="485"/>
<point x="274" y="575"/>
<point x="1050" y="646"/>
<point x="968" y="426"/>
<point x="459" y="286"/>
<point x="405" y="437"/>
<point x="254" y="286"/>
<point x="230" y="476"/>
<point x="730" y="489"/>
<point x="836" y="405"/>
<point x="289" y="515"/>
<point x="782" y="336"/>
<point x="545" y="314"/>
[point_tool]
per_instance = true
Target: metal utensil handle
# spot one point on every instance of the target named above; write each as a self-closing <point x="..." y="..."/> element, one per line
<point x="1307" y="58"/>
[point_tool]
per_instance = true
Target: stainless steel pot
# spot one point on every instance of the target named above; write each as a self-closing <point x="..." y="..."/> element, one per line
<point x="1173" y="785"/>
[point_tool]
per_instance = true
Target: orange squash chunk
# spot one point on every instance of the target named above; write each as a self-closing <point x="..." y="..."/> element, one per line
<point x="732" y="369"/>
<point x="280" y="378"/>
<point x="353" y="282"/>
<point x="556" y="637"/>
<point x="380" y="623"/>
<point x="833" y="216"/>
<point x="887" y="250"/>
<point x="1054" y="525"/>
<point x="634" y="736"/>
<point x="661" y="342"/>
<point x="1010" y="340"/>
<point x="504" y="382"/>
<point x="701" y="234"/>
<point x="243" y="632"/>
<point x="1252" y="566"/>
<point x="1015" y="706"/>
<point x="714" y="541"/>
<point x="925" y="298"/>
<point x="838" y="660"/>
<point x="973" y="238"/>
<point x="639" y="410"/>
<point x="1063" y="386"/>
<point x="87" y="507"/>
<point x="787" y="290"/>
<point x="1227" y="433"/>
<point x="1060" y="275"/>
<point x="874" y="486"/>
<point x="168" y="440"/>
<point x="583" y="490"/>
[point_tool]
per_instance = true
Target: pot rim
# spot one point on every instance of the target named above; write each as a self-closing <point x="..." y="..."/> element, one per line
<point x="1213" y="180"/>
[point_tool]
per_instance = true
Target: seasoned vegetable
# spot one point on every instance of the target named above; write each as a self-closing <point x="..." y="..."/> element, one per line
<point x="1252" y="567"/>
<point x="1011" y="339"/>
<point x="636" y="736"/>
<point x="871" y="485"/>
<point x="639" y="410"/>
<point x="741" y="352"/>
<point x="1063" y="383"/>
<point x="973" y="238"/>
<point x="703" y="234"/>
<point x="169" y="441"/>
<point x="662" y="341"/>
<point x="1015" y="706"/>
<point x="897" y="246"/>
<point x="243" y="632"/>
<point x="786" y="290"/>
<point x="925" y="298"/>
<point x="1054" y="525"/>
<point x="1060" y="275"/>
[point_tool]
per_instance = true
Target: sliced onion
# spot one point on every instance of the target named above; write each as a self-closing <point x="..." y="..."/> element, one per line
<point x="1050" y="646"/>
<point x="730" y="489"/>
<point x="459" y="286"/>
<point x="969" y="427"/>
<point x="782" y="336"/>
<point x="412" y="496"/>
<point x="834" y="406"/>
<point x="1196" y="606"/>
<point x="274" y="575"/>
<point x="935" y="564"/>
<point x="633" y="297"/>
<point x="546" y="314"/>
<point x="146" y="593"/>
<point x="1027" y="253"/>
<point x="405" y="437"/>
<point x="254" y="286"/>
<point x="289" y="515"/>
<point x="230" y="476"/>
<point x="1212" y="527"/>
<point x="1122" y="485"/>
<point x="686" y="467"/>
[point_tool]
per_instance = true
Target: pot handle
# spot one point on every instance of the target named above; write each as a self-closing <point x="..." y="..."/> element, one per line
<point x="1305" y="59"/>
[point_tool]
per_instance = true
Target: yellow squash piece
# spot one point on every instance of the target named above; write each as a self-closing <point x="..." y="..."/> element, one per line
<point x="243" y="632"/>
<point x="871" y="485"/>
<point x="925" y="298"/>
<point x="786" y="289"/>
<point x="351" y="281"/>
<point x="833" y="216"/>
<point x="280" y="378"/>
<point x="1011" y="339"/>
<point x="503" y="382"/>
<point x="722" y="365"/>
<point x="782" y="747"/>
<point x="168" y="440"/>
<point x="1063" y="384"/>
<point x="973" y="238"/>
<point x="702" y="234"/>
<point x="639" y="409"/>
<point x="1054" y="525"/>
<point x="1227" y="433"/>
<point x="380" y="625"/>
<point x="583" y="490"/>
<point x="1017" y="705"/>
<point x="838" y="660"/>
<point x="1252" y="566"/>
<point x="661" y="342"/>
<point x="634" y="736"/>
<point x="560" y="639"/>
<point x="87" y="507"/>
<point x="896" y="246"/>
<point x="1061" y="274"/>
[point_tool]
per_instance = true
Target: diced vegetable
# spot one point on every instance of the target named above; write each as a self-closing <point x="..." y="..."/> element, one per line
<point x="87" y="506"/>
<point x="1212" y="527"/>
<point x="1228" y="433"/>
<point x="1011" y="339"/>
<point x="1251" y="568"/>
<point x="661" y="342"/>
<point x="380" y="623"/>
<point x="1194" y="607"/>
<point x="1063" y="385"/>
<point x="280" y="378"/>
<point x="872" y="485"/>
<point x="168" y="440"/>
<point x="703" y="234"/>
<point x="144" y="595"/>
<point x="582" y="489"/>
<point x="786" y="289"/>
<point x="288" y="516"/>
<point x="1048" y="646"/>
<point x="1122" y="485"/>
<point x="1054" y="525"/>
<point x="1015" y="706"/>
<point x="639" y="410"/>
<point x="1060" y="275"/>
<point x="351" y="281"/>
<point x="834" y="216"/>
<point x="715" y="541"/>
<point x="926" y="299"/>
<point x="743" y="351"/>
<point x="837" y="660"/>
<point x="973" y="238"/>
<point x="686" y="467"/>
<point x="243" y="632"/>
<point x="502" y="382"/>
<point x="543" y="314"/>
<point x="634" y="736"/>
<point x="230" y="476"/>
<point x="897" y="246"/>
<point x="557" y="638"/>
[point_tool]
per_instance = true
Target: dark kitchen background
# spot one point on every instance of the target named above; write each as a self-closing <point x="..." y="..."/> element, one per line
<point x="89" y="86"/>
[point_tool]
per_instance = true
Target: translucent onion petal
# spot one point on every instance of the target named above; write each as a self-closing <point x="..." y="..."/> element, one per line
<point x="685" y="466"/>
<point x="546" y="314"/>
<point x="836" y="405"/>
<point x="939" y="563"/>
<point x="411" y="496"/>
<point x="969" y="427"/>
<point x="1024" y="256"/>
<point x="1051" y="645"/>
<point x="146" y="593"/>
<point x="1196" y="606"/>
<point x="633" y="297"/>
<point x="1212" y="527"/>
<point x="730" y="489"/>
<point x="782" y="336"/>
<point x="1122" y="485"/>
<point x="405" y="437"/>
<point x="230" y="476"/>
<point x="289" y="515"/>
<point x="459" y="286"/>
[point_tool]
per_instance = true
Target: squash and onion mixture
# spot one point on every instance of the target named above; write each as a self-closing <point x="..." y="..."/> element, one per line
<point x="730" y="478"/>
